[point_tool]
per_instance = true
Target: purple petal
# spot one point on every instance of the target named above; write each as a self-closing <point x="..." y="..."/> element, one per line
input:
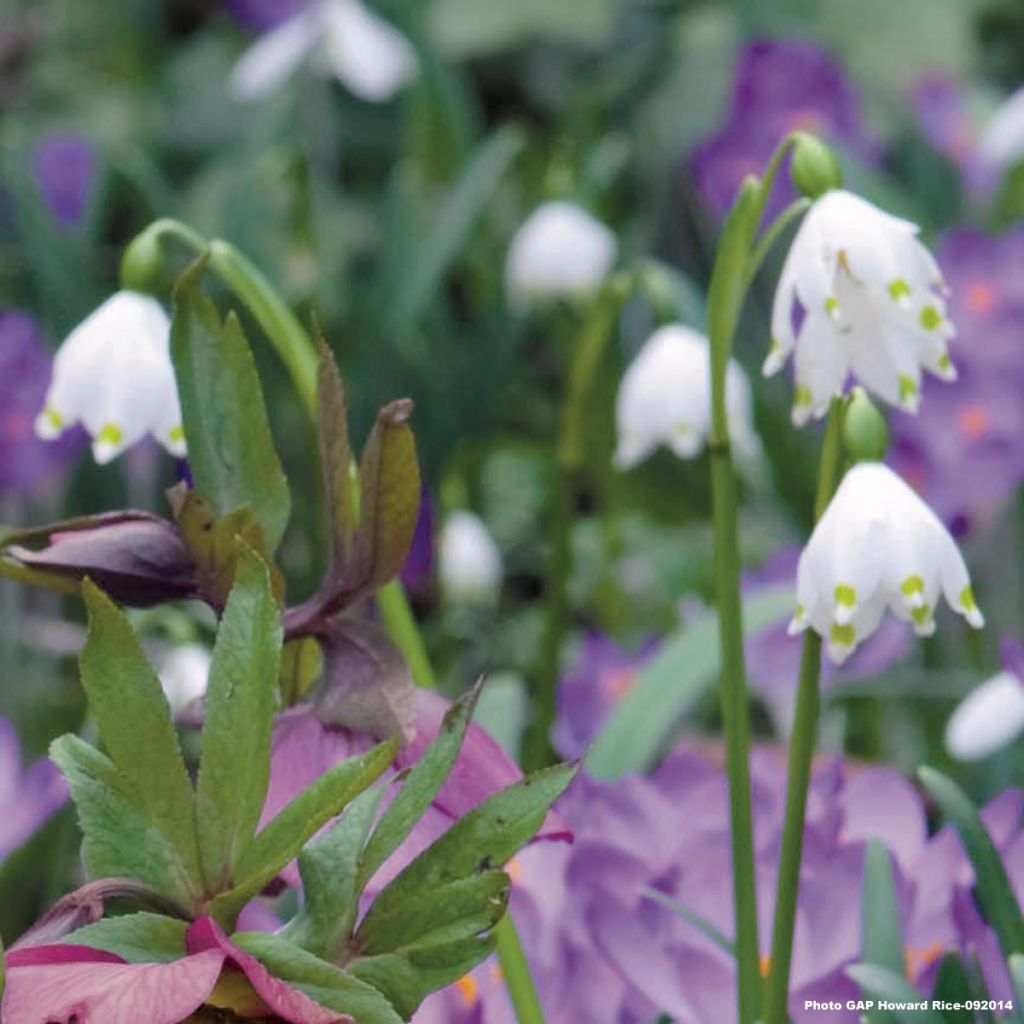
<point x="65" y="170"/>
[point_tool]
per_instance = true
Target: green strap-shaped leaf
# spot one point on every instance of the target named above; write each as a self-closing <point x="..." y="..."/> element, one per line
<point x="995" y="893"/>
<point x="643" y="723"/>
<point x="420" y="787"/>
<point x="284" y="836"/>
<point x="120" y="840"/>
<point x="953" y="985"/>
<point x="335" y="451"/>
<point x="882" y="942"/>
<point x="234" y="769"/>
<point x="881" y="983"/>
<point x="230" y="447"/>
<point x="485" y="838"/>
<point x="136" y="728"/>
<point x="328" y="985"/>
<point x="138" y="938"/>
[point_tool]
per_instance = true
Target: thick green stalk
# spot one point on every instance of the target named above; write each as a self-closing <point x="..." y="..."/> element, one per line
<point x="801" y="754"/>
<point x="516" y="973"/>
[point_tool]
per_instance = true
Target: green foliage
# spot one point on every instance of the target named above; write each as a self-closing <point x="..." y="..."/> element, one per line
<point x="882" y="941"/>
<point x="137" y="938"/>
<point x="882" y="983"/>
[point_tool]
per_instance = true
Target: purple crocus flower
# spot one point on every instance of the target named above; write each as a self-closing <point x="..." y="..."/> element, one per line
<point x="780" y="85"/>
<point x="29" y="797"/>
<point x="962" y="451"/>
<point x="64" y="164"/>
<point x="259" y="16"/>
<point x="26" y="463"/>
<point x="418" y="571"/>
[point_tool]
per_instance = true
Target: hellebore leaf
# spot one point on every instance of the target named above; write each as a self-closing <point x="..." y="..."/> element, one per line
<point x="230" y="447"/>
<point x="329" y="867"/>
<point x="420" y="787"/>
<point x="136" y="728"/>
<point x="367" y="685"/>
<point x="137" y="558"/>
<point x="234" y="768"/>
<point x="481" y="840"/>
<point x="995" y="892"/>
<point x="285" y="835"/>
<point x="335" y="452"/>
<point x="882" y="943"/>
<point x="330" y="986"/>
<point x="138" y="938"/>
<point x="120" y="840"/>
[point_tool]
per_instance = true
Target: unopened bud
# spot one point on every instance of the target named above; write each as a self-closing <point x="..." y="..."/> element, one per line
<point x="865" y="433"/>
<point x="814" y="168"/>
<point x="141" y="262"/>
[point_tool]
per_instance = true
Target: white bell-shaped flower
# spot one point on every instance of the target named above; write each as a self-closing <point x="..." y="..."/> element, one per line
<point x="988" y="719"/>
<point x="868" y="297"/>
<point x="561" y="251"/>
<point x="877" y="546"/>
<point x="1002" y="142"/>
<point x="184" y="671"/>
<point x="113" y="374"/>
<point x="469" y="562"/>
<point x="343" y="38"/>
<point x="665" y="398"/>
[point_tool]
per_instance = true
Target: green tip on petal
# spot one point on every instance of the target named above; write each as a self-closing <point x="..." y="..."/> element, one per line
<point x="898" y="289"/>
<point x="930" y="318"/>
<point x="177" y="433"/>
<point x="110" y="434"/>
<point x="832" y="306"/>
<point x="921" y="614"/>
<point x="967" y="601"/>
<point x="842" y="635"/>
<point x="912" y="585"/>
<point x="802" y="396"/>
<point x="845" y="595"/>
<point x="908" y="389"/>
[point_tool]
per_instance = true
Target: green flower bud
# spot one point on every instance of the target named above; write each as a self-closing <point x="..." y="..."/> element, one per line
<point x="814" y="168"/>
<point x="865" y="433"/>
<point x="141" y="262"/>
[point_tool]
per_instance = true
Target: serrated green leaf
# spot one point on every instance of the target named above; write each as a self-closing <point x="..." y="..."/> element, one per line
<point x="329" y="867"/>
<point x="882" y="943"/>
<point x="420" y="787"/>
<point x="881" y="983"/>
<point x="285" y="835"/>
<point x="119" y="838"/>
<point x="330" y="986"/>
<point x="335" y="452"/>
<point x="137" y="938"/>
<point x="135" y="726"/>
<point x="481" y="840"/>
<point x="642" y="724"/>
<point x="234" y="768"/>
<point x="231" y="451"/>
<point x="995" y="893"/>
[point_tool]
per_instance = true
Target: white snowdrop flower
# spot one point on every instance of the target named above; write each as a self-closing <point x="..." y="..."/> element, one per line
<point x="343" y="38"/>
<point x="665" y="398"/>
<point x="561" y="251"/>
<point x="113" y="374"/>
<point x="988" y="719"/>
<point x="1002" y="142"/>
<point x="184" y="671"/>
<point x="469" y="562"/>
<point x="877" y="546"/>
<point x="869" y="297"/>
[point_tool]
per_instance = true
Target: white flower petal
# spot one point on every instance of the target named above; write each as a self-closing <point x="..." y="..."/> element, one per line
<point x="1002" y="142"/>
<point x="988" y="719"/>
<point x="469" y="562"/>
<point x="274" y="57"/>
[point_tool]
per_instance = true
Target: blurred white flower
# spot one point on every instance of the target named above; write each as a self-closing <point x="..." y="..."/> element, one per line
<point x="469" y="562"/>
<point x="665" y="398"/>
<point x="561" y="251"/>
<point x="989" y="718"/>
<point x="113" y="374"/>
<point x="1002" y="142"/>
<point x="878" y="545"/>
<point x="869" y="297"/>
<point x="343" y="38"/>
<point x="184" y="671"/>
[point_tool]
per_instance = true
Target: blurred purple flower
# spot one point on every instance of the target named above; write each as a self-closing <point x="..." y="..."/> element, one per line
<point x="65" y="170"/>
<point x="25" y="366"/>
<point x="615" y="952"/>
<point x="962" y="450"/>
<point x="779" y="85"/>
<point x="600" y="674"/>
<point x="418" y="571"/>
<point x="260" y="16"/>
<point x="29" y="797"/>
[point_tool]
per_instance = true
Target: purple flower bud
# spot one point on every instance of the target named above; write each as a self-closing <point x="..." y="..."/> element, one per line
<point x="65" y="170"/>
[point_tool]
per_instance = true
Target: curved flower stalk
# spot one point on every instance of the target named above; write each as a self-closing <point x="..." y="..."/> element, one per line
<point x="664" y="399"/>
<point x="877" y="547"/>
<point x="113" y="374"/>
<point x="470" y="565"/>
<point x="561" y="251"/>
<point x="990" y="717"/>
<point x="342" y="38"/>
<point x="870" y="298"/>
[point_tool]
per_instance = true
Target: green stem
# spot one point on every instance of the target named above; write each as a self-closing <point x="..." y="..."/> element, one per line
<point x="801" y="753"/>
<point x="516" y="972"/>
<point x="400" y="624"/>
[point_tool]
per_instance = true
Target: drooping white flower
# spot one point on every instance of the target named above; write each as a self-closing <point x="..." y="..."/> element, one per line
<point x="869" y="298"/>
<point x="665" y="398"/>
<point x="989" y="718"/>
<point x="343" y="38"/>
<point x="113" y="374"/>
<point x="1002" y="142"/>
<point x="469" y="562"/>
<point x="561" y="251"/>
<point x="184" y="671"/>
<point x="877" y="546"/>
